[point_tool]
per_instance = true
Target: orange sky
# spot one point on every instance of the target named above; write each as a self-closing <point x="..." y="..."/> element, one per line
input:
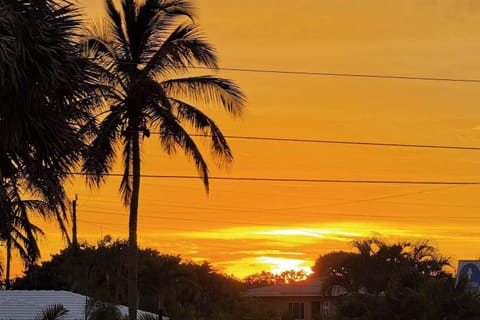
<point x="245" y="227"/>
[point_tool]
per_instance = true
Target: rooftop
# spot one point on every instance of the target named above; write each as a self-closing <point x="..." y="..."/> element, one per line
<point x="28" y="304"/>
<point x="308" y="288"/>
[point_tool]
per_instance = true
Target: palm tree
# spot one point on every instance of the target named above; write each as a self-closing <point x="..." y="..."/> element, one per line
<point x="53" y="312"/>
<point x="46" y="93"/>
<point x="146" y="53"/>
<point x="16" y="228"/>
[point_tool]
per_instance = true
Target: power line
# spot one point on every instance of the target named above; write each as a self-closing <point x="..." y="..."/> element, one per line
<point x="328" y="74"/>
<point x="362" y="143"/>
<point x="304" y="225"/>
<point x="269" y="179"/>
<point x="350" y="75"/>
<point x="263" y="210"/>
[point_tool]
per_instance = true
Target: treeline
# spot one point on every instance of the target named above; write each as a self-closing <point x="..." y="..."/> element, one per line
<point x="167" y="285"/>
<point x="267" y="278"/>
<point x="377" y="280"/>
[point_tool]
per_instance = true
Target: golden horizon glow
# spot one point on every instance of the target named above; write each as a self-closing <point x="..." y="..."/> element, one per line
<point x="246" y="227"/>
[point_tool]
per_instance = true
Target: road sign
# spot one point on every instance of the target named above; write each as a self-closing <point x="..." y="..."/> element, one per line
<point x="469" y="269"/>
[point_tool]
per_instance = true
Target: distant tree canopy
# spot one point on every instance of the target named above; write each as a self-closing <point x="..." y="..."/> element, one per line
<point x="266" y="278"/>
<point x="378" y="265"/>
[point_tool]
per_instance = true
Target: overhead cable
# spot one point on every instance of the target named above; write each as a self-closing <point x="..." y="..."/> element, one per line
<point x="304" y="180"/>
<point x="364" y="143"/>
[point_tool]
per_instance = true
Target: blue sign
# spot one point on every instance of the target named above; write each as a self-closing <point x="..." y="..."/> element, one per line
<point x="472" y="273"/>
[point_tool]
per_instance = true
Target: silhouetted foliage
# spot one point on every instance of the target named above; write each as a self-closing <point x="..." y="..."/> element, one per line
<point x="266" y="278"/>
<point x="53" y="312"/>
<point x="17" y="230"/>
<point x="433" y="299"/>
<point x="99" y="310"/>
<point x="400" y="281"/>
<point x="184" y="290"/>
<point x="377" y="266"/>
<point x="47" y="90"/>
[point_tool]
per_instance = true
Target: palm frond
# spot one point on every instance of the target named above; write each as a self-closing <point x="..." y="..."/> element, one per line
<point x="8" y="50"/>
<point x="101" y="153"/>
<point x="201" y="122"/>
<point x="60" y="215"/>
<point x="31" y="232"/>
<point x="129" y="8"/>
<point x="178" y="7"/>
<point x="19" y="242"/>
<point x="38" y="206"/>
<point x="183" y="48"/>
<point x="53" y="312"/>
<point x="208" y="90"/>
<point x="116" y="28"/>
<point x="154" y="20"/>
<point x="99" y="49"/>
<point x="172" y="134"/>
<point x="46" y="184"/>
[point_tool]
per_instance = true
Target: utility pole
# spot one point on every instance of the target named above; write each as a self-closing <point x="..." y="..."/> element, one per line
<point x="74" y="225"/>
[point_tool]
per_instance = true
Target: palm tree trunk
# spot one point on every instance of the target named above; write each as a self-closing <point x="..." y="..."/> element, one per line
<point x="8" y="262"/>
<point x="132" y="231"/>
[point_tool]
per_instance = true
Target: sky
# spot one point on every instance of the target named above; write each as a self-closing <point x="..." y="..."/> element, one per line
<point x="243" y="227"/>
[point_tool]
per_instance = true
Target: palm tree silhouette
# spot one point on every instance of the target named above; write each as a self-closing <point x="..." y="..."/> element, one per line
<point x="46" y="92"/>
<point x="146" y="52"/>
<point x="16" y="227"/>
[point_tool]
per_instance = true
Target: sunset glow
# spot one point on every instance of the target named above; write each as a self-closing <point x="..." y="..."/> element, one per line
<point x="244" y="227"/>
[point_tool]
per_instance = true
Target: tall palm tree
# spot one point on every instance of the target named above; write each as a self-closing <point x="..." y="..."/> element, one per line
<point x="46" y="93"/>
<point x="146" y="53"/>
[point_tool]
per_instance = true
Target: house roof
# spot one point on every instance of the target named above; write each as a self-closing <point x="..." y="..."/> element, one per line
<point x="308" y="288"/>
<point x="28" y="304"/>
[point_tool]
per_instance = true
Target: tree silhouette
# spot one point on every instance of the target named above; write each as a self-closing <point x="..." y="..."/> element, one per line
<point x="46" y="89"/>
<point x="396" y="281"/>
<point x="16" y="228"/>
<point x="146" y="53"/>
<point x="266" y="278"/>
<point x="378" y="265"/>
<point x="179" y="289"/>
<point x="46" y="93"/>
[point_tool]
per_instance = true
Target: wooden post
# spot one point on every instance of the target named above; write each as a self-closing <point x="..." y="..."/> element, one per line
<point x="74" y="226"/>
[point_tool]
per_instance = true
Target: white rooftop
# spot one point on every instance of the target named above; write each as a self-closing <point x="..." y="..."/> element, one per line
<point x="28" y="304"/>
